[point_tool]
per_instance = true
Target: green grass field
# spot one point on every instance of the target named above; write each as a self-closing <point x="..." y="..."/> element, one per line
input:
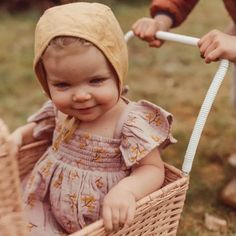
<point x="174" y="77"/>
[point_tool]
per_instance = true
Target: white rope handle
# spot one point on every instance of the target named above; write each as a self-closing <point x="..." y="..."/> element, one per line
<point x="208" y="101"/>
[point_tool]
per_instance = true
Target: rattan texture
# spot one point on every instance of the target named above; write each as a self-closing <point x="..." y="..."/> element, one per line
<point x="157" y="213"/>
<point x="11" y="217"/>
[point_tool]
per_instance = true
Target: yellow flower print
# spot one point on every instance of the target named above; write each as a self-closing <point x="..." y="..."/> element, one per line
<point x="131" y="120"/>
<point x="84" y="140"/>
<point x="82" y="144"/>
<point x="30" y="181"/>
<point x="99" y="151"/>
<point x="99" y="183"/>
<point x="31" y="199"/>
<point x="45" y="170"/>
<point x="73" y="174"/>
<point x="89" y="202"/>
<point x="87" y="136"/>
<point x="137" y="151"/>
<point x="153" y="118"/>
<point x="97" y="157"/>
<point x="125" y="141"/>
<point x="58" y="181"/>
<point x="30" y="226"/>
<point x="73" y="199"/>
<point x="79" y="162"/>
<point x="156" y="138"/>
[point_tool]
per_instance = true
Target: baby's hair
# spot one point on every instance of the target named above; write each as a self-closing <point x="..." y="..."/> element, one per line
<point x="63" y="41"/>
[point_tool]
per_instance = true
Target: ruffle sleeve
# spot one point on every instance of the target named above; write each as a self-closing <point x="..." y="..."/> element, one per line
<point x="143" y="127"/>
<point x="45" y="120"/>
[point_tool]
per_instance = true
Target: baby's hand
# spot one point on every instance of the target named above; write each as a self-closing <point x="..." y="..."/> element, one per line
<point x="15" y="141"/>
<point x="118" y="208"/>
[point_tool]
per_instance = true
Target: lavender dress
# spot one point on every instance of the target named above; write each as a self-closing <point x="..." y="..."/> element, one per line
<point x="66" y="188"/>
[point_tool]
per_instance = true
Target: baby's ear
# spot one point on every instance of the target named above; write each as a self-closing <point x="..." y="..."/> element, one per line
<point x="125" y="90"/>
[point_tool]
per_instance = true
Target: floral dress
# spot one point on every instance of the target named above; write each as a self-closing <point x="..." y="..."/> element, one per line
<point x="66" y="188"/>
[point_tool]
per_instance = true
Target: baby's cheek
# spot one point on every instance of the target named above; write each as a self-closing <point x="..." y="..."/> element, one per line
<point x="61" y="101"/>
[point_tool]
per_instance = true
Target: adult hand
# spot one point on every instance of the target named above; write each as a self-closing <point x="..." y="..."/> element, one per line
<point x="145" y="28"/>
<point x="217" y="45"/>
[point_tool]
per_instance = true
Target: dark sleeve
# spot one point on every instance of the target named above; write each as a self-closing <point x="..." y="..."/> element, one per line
<point x="178" y="10"/>
<point x="230" y="5"/>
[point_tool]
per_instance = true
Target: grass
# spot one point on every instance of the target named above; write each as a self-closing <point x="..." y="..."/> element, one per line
<point x="175" y="77"/>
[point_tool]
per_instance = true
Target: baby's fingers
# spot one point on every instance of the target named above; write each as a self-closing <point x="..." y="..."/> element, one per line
<point x="115" y="218"/>
<point x="107" y="218"/>
<point x="123" y="216"/>
<point x="130" y="214"/>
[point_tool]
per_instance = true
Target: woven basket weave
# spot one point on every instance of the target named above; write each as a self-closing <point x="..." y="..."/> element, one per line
<point x="157" y="214"/>
<point x="11" y="217"/>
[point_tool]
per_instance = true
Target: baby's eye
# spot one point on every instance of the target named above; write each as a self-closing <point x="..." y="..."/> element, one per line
<point x="97" y="80"/>
<point x="61" y="85"/>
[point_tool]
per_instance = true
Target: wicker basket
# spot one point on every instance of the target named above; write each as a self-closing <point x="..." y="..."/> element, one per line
<point x="157" y="214"/>
<point x="11" y="218"/>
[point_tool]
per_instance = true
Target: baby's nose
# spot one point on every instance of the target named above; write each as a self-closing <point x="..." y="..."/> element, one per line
<point x="81" y="96"/>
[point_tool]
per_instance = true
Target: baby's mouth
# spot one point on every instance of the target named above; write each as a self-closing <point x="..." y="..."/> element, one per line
<point x="81" y="109"/>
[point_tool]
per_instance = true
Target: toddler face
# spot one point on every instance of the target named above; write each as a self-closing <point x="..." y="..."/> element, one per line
<point x="81" y="81"/>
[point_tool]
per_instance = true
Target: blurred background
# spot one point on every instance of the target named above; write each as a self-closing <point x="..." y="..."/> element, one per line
<point x="174" y="77"/>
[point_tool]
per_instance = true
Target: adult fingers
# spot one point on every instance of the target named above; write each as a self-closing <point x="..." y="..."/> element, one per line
<point x="156" y="43"/>
<point x="209" y="48"/>
<point x="214" y="55"/>
<point x="204" y="45"/>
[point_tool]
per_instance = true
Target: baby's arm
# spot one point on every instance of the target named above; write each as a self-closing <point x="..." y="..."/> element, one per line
<point x="22" y="135"/>
<point x="120" y="202"/>
<point x="217" y="45"/>
<point x="145" y="28"/>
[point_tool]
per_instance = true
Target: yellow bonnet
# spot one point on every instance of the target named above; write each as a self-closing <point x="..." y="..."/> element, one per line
<point x="91" y="21"/>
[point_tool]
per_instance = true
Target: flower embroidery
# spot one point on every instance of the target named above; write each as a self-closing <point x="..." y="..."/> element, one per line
<point x="153" y="118"/>
<point x="137" y="152"/>
<point x="156" y="138"/>
<point x="125" y="141"/>
<point x="31" y="200"/>
<point x="84" y="140"/>
<point x="58" y="181"/>
<point x="99" y="183"/>
<point x="46" y="169"/>
<point x="89" y="202"/>
<point x="30" y="226"/>
<point x="131" y="120"/>
<point x="98" y="151"/>
<point x="30" y="181"/>
<point x="78" y="162"/>
<point x="73" y="174"/>
<point x="73" y="198"/>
